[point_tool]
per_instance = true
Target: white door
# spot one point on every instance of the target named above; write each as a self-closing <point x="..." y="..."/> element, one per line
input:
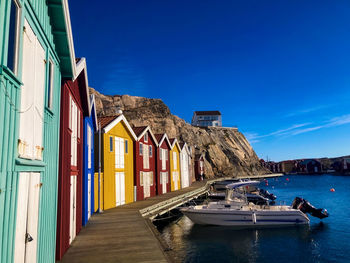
<point x="89" y="195"/>
<point x="164" y="181"/>
<point x="27" y="217"/>
<point x="73" y="210"/>
<point x="120" y="188"/>
<point x="117" y="190"/>
<point x="146" y="184"/>
<point x="175" y="179"/>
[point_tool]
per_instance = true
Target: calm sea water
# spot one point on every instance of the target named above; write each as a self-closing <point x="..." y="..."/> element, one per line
<point x="326" y="240"/>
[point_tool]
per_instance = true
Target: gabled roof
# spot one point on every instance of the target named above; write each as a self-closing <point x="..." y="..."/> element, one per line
<point x="81" y="68"/>
<point x="184" y="147"/>
<point x="173" y="142"/>
<point x="207" y="112"/>
<point x="108" y="122"/>
<point x="62" y="32"/>
<point x="161" y="137"/>
<point x="140" y="132"/>
<point x="92" y="110"/>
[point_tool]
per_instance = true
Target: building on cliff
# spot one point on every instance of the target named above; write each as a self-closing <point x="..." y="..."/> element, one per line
<point x="117" y="161"/>
<point x="163" y="164"/>
<point x="207" y="119"/>
<point x="145" y="156"/>
<point x="175" y="150"/>
<point x="75" y="104"/>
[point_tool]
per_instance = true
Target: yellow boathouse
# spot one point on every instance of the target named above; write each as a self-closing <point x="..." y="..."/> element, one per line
<point x="175" y="165"/>
<point x="117" y="161"/>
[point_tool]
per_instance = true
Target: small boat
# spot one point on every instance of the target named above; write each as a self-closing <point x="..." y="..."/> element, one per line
<point x="254" y="194"/>
<point x="235" y="210"/>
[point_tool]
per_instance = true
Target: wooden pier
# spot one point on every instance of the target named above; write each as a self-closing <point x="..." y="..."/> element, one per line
<point x="122" y="234"/>
<point x="126" y="234"/>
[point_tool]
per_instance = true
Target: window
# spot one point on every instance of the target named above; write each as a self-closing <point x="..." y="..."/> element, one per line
<point x="150" y="151"/>
<point x="145" y="137"/>
<point x="50" y="84"/>
<point x="12" y="54"/>
<point x="126" y="146"/>
<point x="140" y="148"/>
<point x="111" y="144"/>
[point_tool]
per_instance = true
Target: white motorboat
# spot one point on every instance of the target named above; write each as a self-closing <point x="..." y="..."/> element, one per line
<point x="237" y="211"/>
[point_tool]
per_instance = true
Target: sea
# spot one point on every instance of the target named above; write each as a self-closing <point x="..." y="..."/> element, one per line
<point x="326" y="240"/>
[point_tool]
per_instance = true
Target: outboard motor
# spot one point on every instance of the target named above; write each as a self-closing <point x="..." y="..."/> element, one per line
<point x="305" y="207"/>
<point x="267" y="194"/>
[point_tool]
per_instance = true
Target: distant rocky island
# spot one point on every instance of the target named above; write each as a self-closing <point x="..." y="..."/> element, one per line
<point x="227" y="152"/>
<point x="338" y="165"/>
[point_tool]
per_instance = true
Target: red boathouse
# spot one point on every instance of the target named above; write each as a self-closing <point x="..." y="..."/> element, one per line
<point x="145" y="151"/>
<point x="74" y="107"/>
<point x="163" y="164"/>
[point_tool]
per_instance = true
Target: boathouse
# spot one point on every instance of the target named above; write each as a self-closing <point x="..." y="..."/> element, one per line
<point x="175" y="165"/>
<point x="163" y="164"/>
<point x="75" y="105"/>
<point x="145" y="156"/>
<point x="90" y="127"/>
<point x="36" y="52"/>
<point x="199" y="166"/>
<point x="117" y="161"/>
<point x="185" y="165"/>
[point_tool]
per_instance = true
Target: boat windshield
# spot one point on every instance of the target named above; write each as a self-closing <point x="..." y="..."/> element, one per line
<point x="236" y="195"/>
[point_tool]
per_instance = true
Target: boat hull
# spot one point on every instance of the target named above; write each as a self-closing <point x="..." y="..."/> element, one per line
<point x="246" y="218"/>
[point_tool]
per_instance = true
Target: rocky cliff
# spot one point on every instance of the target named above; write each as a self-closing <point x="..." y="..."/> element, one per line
<point x="227" y="151"/>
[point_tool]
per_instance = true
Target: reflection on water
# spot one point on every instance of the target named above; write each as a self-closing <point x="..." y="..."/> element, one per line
<point x="326" y="241"/>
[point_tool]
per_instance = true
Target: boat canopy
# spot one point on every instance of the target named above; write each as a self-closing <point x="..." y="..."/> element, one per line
<point x="239" y="184"/>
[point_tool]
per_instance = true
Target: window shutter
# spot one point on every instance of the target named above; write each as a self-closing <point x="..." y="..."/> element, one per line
<point x="141" y="178"/>
<point x="26" y="132"/>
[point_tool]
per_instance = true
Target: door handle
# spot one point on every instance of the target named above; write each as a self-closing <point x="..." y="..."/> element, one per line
<point x="29" y="238"/>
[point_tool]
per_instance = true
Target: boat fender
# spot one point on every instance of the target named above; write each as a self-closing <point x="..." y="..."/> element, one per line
<point x="254" y="218"/>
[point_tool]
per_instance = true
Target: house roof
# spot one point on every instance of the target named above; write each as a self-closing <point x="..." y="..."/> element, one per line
<point x="184" y="147"/>
<point x="207" y="112"/>
<point x="62" y="32"/>
<point x="108" y="122"/>
<point x="104" y="121"/>
<point x="173" y="142"/>
<point x="92" y="110"/>
<point x="161" y="137"/>
<point x="140" y="132"/>
<point x="81" y="68"/>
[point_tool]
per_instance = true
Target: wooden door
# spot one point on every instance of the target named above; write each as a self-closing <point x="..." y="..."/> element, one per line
<point x="146" y="184"/>
<point x="73" y="211"/>
<point x="117" y="190"/>
<point x="89" y="195"/>
<point x="164" y="181"/>
<point x="26" y="238"/>
<point x="120" y="188"/>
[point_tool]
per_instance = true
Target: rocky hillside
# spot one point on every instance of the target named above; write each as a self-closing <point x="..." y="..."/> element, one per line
<point x="227" y="151"/>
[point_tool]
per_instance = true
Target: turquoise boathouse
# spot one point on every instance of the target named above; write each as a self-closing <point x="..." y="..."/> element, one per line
<point x="36" y="51"/>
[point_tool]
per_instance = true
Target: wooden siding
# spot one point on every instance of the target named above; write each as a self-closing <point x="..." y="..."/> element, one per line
<point x="66" y="170"/>
<point x="164" y="145"/>
<point x="109" y="170"/>
<point x="175" y="169"/>
<point x="138" y="166"/>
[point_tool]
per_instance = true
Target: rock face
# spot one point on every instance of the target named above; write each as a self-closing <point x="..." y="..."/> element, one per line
<point x="227" y="151"/>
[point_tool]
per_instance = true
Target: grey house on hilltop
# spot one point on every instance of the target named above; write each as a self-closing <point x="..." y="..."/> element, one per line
<point x="207" y="119"/>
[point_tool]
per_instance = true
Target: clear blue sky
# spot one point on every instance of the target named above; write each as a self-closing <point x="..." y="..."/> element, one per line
<point x="279" y="70"/>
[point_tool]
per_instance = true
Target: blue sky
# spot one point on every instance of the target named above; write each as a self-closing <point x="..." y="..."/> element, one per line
<point x="279" y="70"/>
